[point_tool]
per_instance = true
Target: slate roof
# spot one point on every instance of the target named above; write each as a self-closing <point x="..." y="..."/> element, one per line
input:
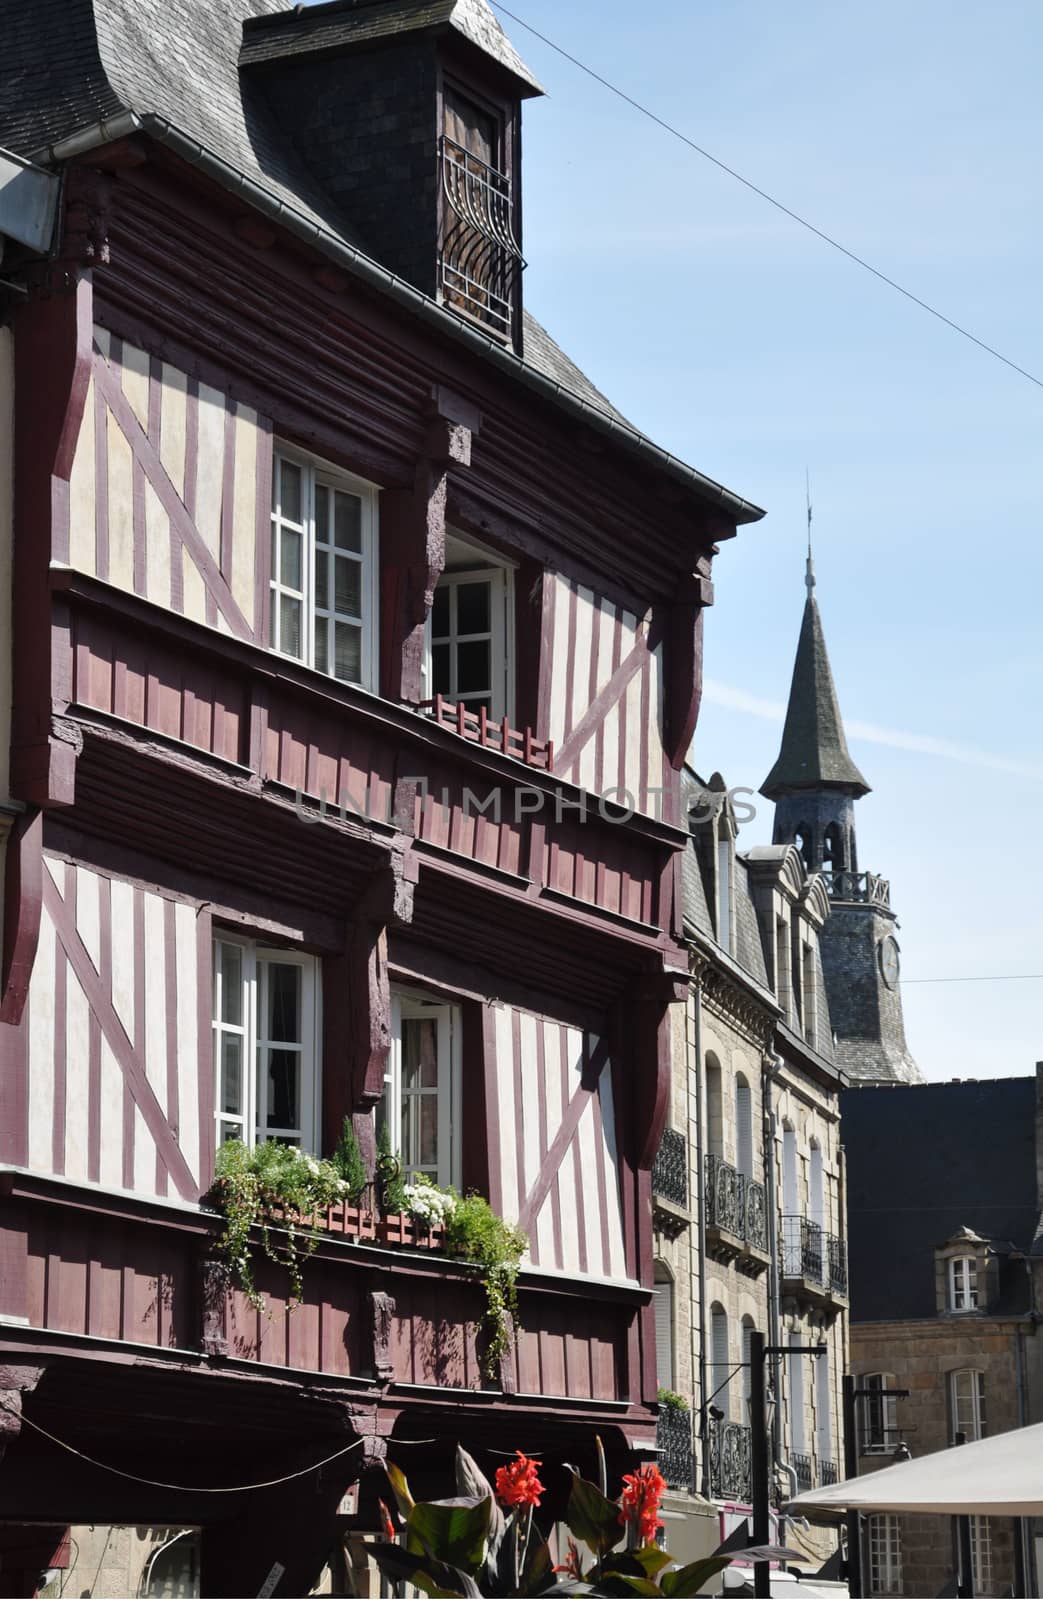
<point x="174" y="65"/>
<point x="349" y="22"/>
<point x="814" y="751"/>
<point x="924" y="1160"/>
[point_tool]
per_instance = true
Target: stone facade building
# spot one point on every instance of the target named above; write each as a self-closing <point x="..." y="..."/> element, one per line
<point x="944" y="1198"/>
<point x="749" y="1185"/>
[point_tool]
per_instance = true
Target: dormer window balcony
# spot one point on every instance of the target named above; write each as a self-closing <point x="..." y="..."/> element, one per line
<point x="480" y="260"/>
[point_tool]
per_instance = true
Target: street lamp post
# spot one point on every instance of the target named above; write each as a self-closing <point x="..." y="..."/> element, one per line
<point x="760" y="1462"/>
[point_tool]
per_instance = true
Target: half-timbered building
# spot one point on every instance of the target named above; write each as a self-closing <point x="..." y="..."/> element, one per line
<point x="354" y="641"/>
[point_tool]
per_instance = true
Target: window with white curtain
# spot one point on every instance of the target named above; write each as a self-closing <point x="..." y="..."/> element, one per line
<point x="967" y="1403"/>
<point x="422" y="1102"/>
<point x="963" y="1283"/>
<point x="266" y="1044"/>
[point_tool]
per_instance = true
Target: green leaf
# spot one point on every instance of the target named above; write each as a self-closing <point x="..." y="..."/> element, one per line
<point x="397" y="1479"/>
<point x="472" y="1482"/>
<point x="602" y="1465"/>
<point x="690" y="1579"/>
<point x="649" y="1560"/>
<point x="434" y="1578"/>
<point x="621" y="1583"/>
<point x="591" y="1517"/>
<point x="539" y="1567"/>
<point x="454" y="1531"/>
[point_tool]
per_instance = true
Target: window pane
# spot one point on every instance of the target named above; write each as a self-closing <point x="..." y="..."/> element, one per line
<point x="440" y="614"/>
<point x="290" y="559"/>
<point x="290" y="626"/>
<point x="284" y="1004"/>
<point x="348" y="522"/>
<point x="472" y="607"/>
<point x="283" y="1085"/>
<point x="420" y="1131"/>
<point x="419" y="1053"/>
<point x="440" y="678"/>
<point x="322" y="580"/>
<point x="290" y="481"/>
<point x="322" y="647"/>
<point x="349" y="587"/>
<point x="322" y="513"/>
<point x="474" y="668"/>
<point x="232" y="1074"/>
<point x="348" y="665"/>
<point x="229" y="1130"/>
<point x="232" y="985"/>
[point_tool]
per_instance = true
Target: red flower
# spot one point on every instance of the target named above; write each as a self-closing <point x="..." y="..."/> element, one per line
<point x="642" y="1492"/>
<point x="518" y="1484"/>
<point x="389" y="1526"/>
<point x="571" y="1564"/>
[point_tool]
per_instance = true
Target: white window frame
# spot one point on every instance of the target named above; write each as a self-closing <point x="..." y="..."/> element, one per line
<point x="314" y="473"/>
<point x="885" y="1555"/>
<point x="886" y="1406"/>
<point x="972" y="1403"/>
<point x="257" y="960"/>
<point x="981" y="1554"/>
<point x="962" y="1275"/>
<point x="500" y="577"/>
<point x="447" y="1015"/>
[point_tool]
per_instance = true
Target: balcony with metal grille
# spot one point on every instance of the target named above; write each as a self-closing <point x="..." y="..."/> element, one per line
<point x="814" y="1263"/>
<point x="670" y="1184"/>
<point x="827" y="1473"/>
<point x="480" y="260"/>
<point x="673" y="1437"/>
<point x="801" y="1465"/>
<point x="736" y="1216"/>
<point x="730" y="1462"/>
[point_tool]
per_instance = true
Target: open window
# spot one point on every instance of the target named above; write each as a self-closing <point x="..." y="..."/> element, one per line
<point x="423" y="1102"/>
<point x="470" y="656"/>
<point x="324" y="569"/>
<point x="266" y="1044"/>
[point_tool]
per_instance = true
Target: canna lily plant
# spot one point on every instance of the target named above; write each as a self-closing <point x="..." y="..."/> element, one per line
<point x="486" y="1542"/>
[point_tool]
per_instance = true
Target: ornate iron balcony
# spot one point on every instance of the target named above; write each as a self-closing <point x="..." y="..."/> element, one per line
<point x="730" y="1462"/>
<point x="836" y="1255"/>
<point x="670" y="1172"/>
<point x="802" y="1467"/>
<point x="673" y="1437"/>
<point x="864" y="887"/>
<point x="827" y="1473"/>
<point x="735" y="1203"/>
<point x="480" y="259"/>
<point x="802" y="1249"/>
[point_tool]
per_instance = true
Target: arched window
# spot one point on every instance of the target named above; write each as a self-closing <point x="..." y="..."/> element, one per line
<point x="804" y="841"/>
<point x="714" y="1106"/>
<point x="720" y="1365"/>
<point x="833" y="858"/>
<point x="967" y="1403"/>
<point x="743" y="1126"/>
<point x="664" y="1326"/>
<point x="963" y="1283"/>
<point x="816" y="1196"/>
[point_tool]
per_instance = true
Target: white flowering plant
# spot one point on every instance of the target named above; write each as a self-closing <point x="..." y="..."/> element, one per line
<point x="429" y="1204"/>
<point x="272" y="1185"/>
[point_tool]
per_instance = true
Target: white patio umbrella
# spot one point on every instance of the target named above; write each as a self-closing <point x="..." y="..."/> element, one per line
<point x="997" y="1477"/>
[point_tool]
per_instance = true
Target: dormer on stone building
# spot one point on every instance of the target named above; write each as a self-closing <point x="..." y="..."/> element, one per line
<point x="408" y="115"/>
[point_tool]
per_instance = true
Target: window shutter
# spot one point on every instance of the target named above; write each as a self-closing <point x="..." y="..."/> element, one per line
<point x="796" y="1396"/>
<point x="817" y="1196"/>
<point x="664" y="1334"/>
<point x="719" y="1361"/>
<point x="823" y="1410"/>
<point x="744" y="1127"/>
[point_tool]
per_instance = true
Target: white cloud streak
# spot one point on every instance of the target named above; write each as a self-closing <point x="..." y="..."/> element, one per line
<point x="723" y="694"/>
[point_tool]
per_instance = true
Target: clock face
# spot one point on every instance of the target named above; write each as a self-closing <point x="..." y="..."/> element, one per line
<point x="887" y="951"/>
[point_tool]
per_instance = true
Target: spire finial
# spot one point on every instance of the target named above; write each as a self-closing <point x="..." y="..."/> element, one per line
<point x="809" y="573"/>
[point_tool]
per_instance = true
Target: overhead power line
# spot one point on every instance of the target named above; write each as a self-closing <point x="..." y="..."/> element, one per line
<point x="997" y="977"/>
<point x="787" y="211"/>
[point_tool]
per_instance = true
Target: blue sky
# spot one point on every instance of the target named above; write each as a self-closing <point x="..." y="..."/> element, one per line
<point x="752" y="350"/>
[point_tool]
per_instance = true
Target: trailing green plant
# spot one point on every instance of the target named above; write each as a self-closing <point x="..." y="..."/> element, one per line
<point x="670" y="1400"/>
<point x="347" y="1158"/>
<point x="475" y="1232"/>
<point x="391" y="1188"/>
<point x="482" y="1542"/>
<point x="273" y="1186"/>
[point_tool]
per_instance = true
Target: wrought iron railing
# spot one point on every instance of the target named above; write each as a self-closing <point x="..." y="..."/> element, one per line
<point x="827" y="1473"/>
<point x="730" y="1462"/>
<point x="802" y="1467"/>
<point x="735" y="1203"/>
<point x="802" y="1249"/>
<point x="670" y="1171"/>
<point x="673" y="1437"/>
<point x="836" y="1256"/>
<point x="480" y="259"/>
<point x="861" y="886"/>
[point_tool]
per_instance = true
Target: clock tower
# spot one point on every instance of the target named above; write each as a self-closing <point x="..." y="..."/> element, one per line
<point x="814" y="784"/>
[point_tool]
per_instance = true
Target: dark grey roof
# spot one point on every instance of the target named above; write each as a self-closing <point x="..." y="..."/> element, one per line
<point x="814" y="751"/>
<point x="174" y="66"/>
<point x="749" y="951"/>
<point x="924" y="1160"/>
<point x="349" y="22"/>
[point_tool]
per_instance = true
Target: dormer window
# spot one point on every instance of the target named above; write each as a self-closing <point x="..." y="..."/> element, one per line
<point x="480" y="258"/>
<point x="963" y="1283"/>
